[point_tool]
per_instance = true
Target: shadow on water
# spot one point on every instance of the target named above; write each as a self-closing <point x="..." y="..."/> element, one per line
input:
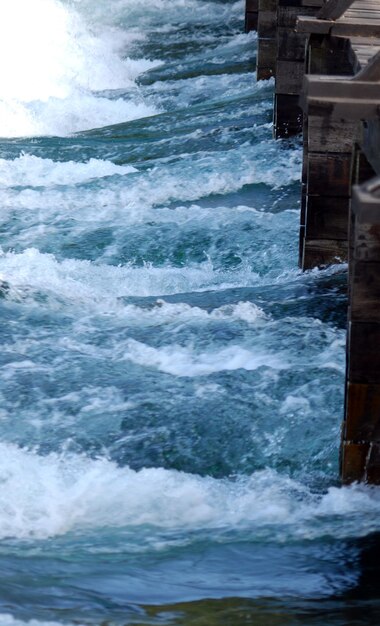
<point x="358" y="606"/>
<point x="316" y="583"/>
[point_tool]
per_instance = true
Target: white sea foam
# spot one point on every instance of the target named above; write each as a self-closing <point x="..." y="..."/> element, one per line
<point x="83" y="281"/>
<point x="52" y="495"/>
<point x="29" y="170"/>
<point x="180" y="361"/>
<point x="9" y="620"/>
<point x="55" y="64"/>
<point x="165" y="14"/>
<point x="124" y="201"/>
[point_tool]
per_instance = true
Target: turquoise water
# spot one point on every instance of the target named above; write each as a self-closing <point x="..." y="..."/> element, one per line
<point x="171" y="384"/>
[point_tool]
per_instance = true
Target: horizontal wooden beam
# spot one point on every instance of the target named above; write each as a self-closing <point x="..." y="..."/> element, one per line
<point x="340" y="98"/>
<point x="347" y="27"/>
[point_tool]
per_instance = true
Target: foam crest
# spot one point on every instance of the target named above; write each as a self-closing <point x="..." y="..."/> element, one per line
<point x="9" y="620"/>
<point x="179" y="361"/>
<point x="31" y="170"/>
<point x="163" y="13"/>
<point x="83" y="282"/>
<point x="56" y="65"/>
<point x="247" y="312"/>
<point x="186" y="180"/>
<point x="56" y="494"/>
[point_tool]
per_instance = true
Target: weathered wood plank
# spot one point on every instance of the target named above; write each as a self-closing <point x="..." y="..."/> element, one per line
<point x="291" y="45"/>
<point x="363" y="352"/>
<point x="340" y="99"/>
<point x="353" y="461"/>
<point x="330" y="135"/>
<point x="287" y="116"/>
<point x="267" y="24"/>
<point x="334" y="9"/>
<point x="363" y="413"/>
<point x="365" y="288"/>
<point x="252" y="5"/>
<point x="329" y="174"/>
<point x="327" y="218"/>
<point x="341" y="28"/>
<point x="266" y="59"/>
<point x="289" y="76"/>
<point x="251" y="21"/>
<point x="323" y="252"/>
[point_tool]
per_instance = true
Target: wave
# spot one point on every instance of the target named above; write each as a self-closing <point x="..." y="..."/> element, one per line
<point x="53" y="495"/>
<point x="56" y="68"/>
<point x="29" y="170"/>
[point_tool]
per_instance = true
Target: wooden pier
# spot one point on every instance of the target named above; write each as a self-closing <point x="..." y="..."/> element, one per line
<point x="325" y="58"/>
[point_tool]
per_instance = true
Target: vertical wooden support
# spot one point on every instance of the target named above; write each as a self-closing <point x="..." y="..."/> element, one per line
<point x="327" y="190"/>
<point x="360" y="454"/>
<point x="290" y="67"/>
<point x="267" y="39"/>
<point x="251" y="15"/>
<point x="326" y="177"/>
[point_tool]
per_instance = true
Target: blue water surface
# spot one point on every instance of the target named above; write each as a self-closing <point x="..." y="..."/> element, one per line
<point x="171" y="384"/>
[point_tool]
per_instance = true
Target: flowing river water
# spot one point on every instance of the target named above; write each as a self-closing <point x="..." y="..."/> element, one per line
<point x="171" y="384"/>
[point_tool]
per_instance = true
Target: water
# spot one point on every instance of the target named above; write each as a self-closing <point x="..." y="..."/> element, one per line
<point x="171" y="384"/>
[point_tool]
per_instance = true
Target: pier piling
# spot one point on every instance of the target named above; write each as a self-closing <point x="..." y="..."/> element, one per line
<point x="325" y="57"/>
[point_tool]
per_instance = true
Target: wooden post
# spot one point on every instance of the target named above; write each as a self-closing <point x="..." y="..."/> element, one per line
<point x="290" y="67"/>
<point x="334" y="111"/>
<point x="251" y="15"/>
<point x="267" y="39"/>
<point x="328" y="151"/>
<point x="360" y="457"/>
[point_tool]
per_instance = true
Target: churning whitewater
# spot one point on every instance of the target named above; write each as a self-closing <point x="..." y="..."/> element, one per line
<point x="171" y="385"/>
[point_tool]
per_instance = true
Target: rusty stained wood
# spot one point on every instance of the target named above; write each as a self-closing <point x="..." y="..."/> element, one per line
<point x="361" y="463"/>
<point x="353" y="461"/>
<point x="363" y="412"/>
<point x="329" y="174"/>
